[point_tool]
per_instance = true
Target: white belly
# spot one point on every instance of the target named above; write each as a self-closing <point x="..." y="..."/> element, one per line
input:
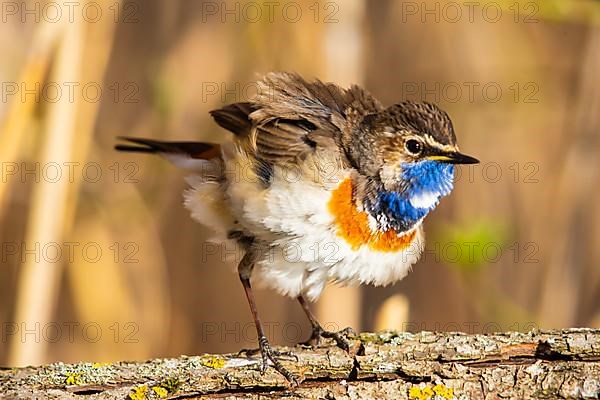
<point x="302" y="250"/>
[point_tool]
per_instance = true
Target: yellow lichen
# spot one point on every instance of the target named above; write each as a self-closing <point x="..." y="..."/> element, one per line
<point x="139" y="393"/>
<point x="100" y="365"/>
<point x="426" y="393"/>
<point x="160" y="391"/>
<point x="213" y="362"/>
<point x="443" y="391"/>
<point x="73" y="379"/>
<point x="414" y="392"/>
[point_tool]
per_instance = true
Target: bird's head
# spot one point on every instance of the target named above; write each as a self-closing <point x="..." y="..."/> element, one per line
<point x="410" y="148"/>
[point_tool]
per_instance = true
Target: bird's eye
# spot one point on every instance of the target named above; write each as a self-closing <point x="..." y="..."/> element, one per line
<point x="413" y="146"/>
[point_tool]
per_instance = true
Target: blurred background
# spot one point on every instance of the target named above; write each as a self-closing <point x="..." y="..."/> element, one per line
<point x="100" y="260"/>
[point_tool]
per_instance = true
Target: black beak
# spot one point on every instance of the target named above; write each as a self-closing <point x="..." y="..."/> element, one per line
<point x="455" y="158"/>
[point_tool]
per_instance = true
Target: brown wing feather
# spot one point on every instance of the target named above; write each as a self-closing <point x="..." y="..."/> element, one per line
<point x="278" y="124"/>
<point x="235" y="118"/>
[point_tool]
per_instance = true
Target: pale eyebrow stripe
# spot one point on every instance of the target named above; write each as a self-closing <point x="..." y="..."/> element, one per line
<point x="433" y="143"/>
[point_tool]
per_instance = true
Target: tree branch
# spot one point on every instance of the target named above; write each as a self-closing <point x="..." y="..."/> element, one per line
<point x="426" y="365"/>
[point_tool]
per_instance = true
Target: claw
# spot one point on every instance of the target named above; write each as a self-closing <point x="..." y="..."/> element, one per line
<point x="276" y="353"/>
<point x="341" y="337"/>
<point x="248" y="352"/>
<point x="268" y="354"/>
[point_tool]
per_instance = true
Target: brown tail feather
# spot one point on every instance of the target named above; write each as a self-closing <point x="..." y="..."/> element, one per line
<point x="195" y="150"/>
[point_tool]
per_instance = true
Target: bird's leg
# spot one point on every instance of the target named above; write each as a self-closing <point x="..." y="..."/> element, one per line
<point x="245" y="270"/>
<point x="318" y="332"/>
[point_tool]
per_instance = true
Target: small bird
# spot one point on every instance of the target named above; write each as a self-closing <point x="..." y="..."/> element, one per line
<point x="317" y="184"/>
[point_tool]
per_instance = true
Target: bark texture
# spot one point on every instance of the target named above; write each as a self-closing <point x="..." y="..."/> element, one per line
<point x="426" y="365"/>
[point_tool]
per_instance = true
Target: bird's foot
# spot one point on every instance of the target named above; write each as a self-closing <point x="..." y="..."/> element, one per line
<point x="268" y="354"/>
<point x="341" y="337"/>
<point x="276" y="353"/>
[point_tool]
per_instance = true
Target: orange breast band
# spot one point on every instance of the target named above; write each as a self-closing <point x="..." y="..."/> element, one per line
<point x="353" y="225"/>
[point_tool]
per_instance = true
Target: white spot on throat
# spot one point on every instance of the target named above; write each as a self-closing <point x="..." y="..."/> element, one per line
<point x="424" y="199"/>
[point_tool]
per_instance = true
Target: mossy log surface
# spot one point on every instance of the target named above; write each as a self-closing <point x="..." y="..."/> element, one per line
<point x="425" y="365"/>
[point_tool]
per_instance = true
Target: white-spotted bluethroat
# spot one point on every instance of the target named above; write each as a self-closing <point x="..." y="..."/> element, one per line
<point x="317" y="184"/>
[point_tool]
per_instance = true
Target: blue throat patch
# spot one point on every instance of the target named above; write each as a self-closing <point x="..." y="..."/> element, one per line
<point x="423" y="178"/>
